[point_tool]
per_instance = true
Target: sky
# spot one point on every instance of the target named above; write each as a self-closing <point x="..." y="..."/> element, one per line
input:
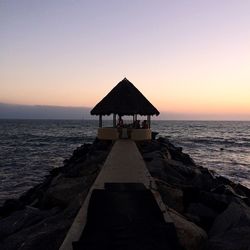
<point x="187" y="57"/>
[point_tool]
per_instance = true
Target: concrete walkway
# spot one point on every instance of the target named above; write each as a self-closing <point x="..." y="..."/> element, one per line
<point x="124" y="164"/>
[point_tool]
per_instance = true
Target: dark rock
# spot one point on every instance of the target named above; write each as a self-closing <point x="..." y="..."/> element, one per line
<point x="154" y="134"/>
<point x="231" y="229"/>
<point x="190" y="195"/>
<point x="236" y="215"/>
<point x="55" y="171"/>
<point x="71" y="210"/>
<point x="176" y="152"/>
<point x="63" y="190"/>
<point x="219" y="202"/>
<point x="78" y="156"/>
<point x="191" y="237"/>
<point x="184" y="158"/>
<point x="171" y="196"/>
<point x="241" y="190"/>
<point x="73" y="170"/>
<point x="186" y="171"/>
<point x="206" y="214"/>
<point x="148" y="147"/>
<point x="153" y="155"/>
<point x="204" y="180"/>
<point x="66" y="162"/>
<point x="235" y="239"/>
<point x="23" y="218"/>
<point x="47" y="234"/>
<point x="90" y="168"/>
<point x="10" y="206"/>
<point x="155" y="166"/>
<point x="159" y="168"/>
<point x="36" y="193"/>
<point x="164" y="141"/>
<point x="222" y="180"/>
<point x="76" y="168"/>
<point x="98" y="156"/>
<point x="101" y="144"/>
<point x="228" y="190"/>
<point x="179" y="149"/>
<point x="82" y="150"/>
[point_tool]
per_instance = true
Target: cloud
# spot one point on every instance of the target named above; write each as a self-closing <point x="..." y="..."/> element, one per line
<point x="13" y="111"/>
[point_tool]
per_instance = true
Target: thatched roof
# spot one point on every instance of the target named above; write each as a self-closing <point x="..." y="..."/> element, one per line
<point x="124" y="99"/>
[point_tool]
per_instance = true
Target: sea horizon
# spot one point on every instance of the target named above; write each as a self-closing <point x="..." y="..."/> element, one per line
<point x="110" y="119"/>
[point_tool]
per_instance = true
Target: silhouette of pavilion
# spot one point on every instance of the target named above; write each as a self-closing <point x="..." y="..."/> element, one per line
<point x="124" y="99"/>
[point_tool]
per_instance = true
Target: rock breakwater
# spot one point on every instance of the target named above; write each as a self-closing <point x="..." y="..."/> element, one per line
<point x="208" y="211"/>
<point x="41" y="217"/>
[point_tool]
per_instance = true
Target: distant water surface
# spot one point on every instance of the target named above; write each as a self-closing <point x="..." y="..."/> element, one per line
<point x="223" y="146"/>
<point x="30" y="148"/>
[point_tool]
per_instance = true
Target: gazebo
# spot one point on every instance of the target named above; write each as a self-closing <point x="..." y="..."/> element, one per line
<point x="125" y="100"/>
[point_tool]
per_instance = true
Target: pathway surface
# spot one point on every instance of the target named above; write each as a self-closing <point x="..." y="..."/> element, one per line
<point x="124" y="164"/>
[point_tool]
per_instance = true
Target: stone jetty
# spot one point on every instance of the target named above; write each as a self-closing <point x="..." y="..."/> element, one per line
<point x="125" y="169"/>
<point x="208" y="211"/>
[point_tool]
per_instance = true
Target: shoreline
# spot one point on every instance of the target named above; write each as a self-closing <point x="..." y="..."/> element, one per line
<point x="197" y="199"/>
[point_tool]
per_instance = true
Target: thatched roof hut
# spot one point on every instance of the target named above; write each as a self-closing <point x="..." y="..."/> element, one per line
<point x="124" y="99"/>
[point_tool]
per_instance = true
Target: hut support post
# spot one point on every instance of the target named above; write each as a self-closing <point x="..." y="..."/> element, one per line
<point x="134" y="118"/>
<point x="114" y="120"/>
<point x="100" y="121"/>
<point x="149" y="121"/>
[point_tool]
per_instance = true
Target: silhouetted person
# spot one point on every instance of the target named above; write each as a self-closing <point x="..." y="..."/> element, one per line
<point x="144" y="124"/>
<point x="120" y="122"/>
<point x="137" y="124"/>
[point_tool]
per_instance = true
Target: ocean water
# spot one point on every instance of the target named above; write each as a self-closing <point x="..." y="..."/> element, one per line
<point x="30" y="148"/>
<point x="223" y="146"/>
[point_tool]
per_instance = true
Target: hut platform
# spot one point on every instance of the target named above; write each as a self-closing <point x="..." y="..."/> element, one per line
<point x="117" y="190"/>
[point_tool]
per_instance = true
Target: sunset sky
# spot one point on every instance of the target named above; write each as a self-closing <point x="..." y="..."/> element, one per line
<point x="189" y="57"/>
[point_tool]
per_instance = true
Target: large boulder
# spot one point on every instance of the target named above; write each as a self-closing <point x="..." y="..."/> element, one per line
<point x="23" y="218"/>
<point x="146" y="147"/>
<point x="191" y="237"/>
<point x="10" y="206"/>
<point x="98" y="156"/>
<point x="176" y="152"/>
<point x="231" y="229"/>
<point x="204" y="179"/>
<point x="186" y="171"/>
<point x="63" y="190"/>
<point x="172" y="173"/>
<point x="47" y="234"/>
<point x="242" y="190"/>
<point x="234" y="239"/>
<point x="205" y="215"/>
<point x="156" y="168"/>
<point x="230" y="191"/>
<point x="46" y="229"/>
<point x="150" y="156"/>
<point x="218" y="202"/>
<point x="171" y="196"/>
